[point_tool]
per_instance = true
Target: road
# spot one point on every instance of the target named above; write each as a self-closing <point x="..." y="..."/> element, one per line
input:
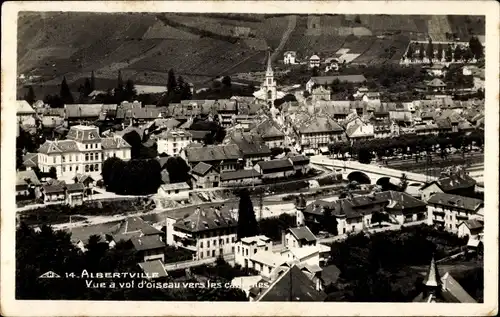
<point x="292" y="23"/>
<point x="182" y="265"/>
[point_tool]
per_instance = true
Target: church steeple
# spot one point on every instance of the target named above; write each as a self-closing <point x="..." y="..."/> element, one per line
<point x="432" y="279"/>
<point x="269" y="85"/>
<point x="269" y="66"/>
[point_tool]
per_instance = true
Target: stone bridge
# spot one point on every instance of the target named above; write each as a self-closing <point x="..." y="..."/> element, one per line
<point x="368" y="173"/>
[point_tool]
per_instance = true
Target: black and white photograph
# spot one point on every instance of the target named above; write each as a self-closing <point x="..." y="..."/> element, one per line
<point x="223" y="156"/>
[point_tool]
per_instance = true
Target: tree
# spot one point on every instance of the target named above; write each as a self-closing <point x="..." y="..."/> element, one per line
<point x="129" y="92"/>
<point x="247" y="223"/>
<point x="378" y="217"/>
<point x="430" y="50"/>
<point x="226" y="81"/>
<point x="403" y="182"/>
<point x="178" y="169"/>
<point x="87" y="87"/>
<point x="357" y="19"/>
<point x="119" y="81"/>
<point x="421" y="51"/>
<point x="135" y="140"/>
<point x="171" y="82"/>
<point x="30" y="96"/>
<point x="65" y="93"/>
<point x="476" y="47"/>
<point x="467" y="55"/>
<point x="364" y="155"/>
<point x="92" y="81"/>
<point x="439" y="54"/>
<point x="449" y="53"/>
<point x="410" y="51"/>
<point x="458" y="53"/>
<point x="52" y="172"/>
<point x="330" y="221"/>
<point x="315" y="72"/>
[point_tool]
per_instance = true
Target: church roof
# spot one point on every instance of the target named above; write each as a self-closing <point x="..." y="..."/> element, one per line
<point x="432" y="279"/>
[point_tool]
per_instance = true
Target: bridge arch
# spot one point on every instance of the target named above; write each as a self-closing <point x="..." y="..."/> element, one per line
<point x="359" y="177"/>
<point x="387" y="183"/>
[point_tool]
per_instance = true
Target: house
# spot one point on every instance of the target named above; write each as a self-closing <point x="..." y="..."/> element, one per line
<point x="274" y="169"/>
<point x="472" y="228"/>
<point x="172" y="141"/>
<point x="436" y="85"/>
<point x="252" y="147"/>
<point x="71" y="194"/>
<point x="458" y="184"/>
<point x="149" y="247"/>
<point x="245" y="248"/>
<point x="25" y="114"/>
<point x="314" y="61"/>
<point x="82" y="113"/>
<point x="446" y="289"/>
<point x="290" y="58"/>
<point x="175" y="191"/>
<point x="26" y="181"/>
<point x="51" y="117"/>
<point x="436" y="70"/>
<point x="83" y="151"/>
<point x="291" y="285"/>
<point x="299" y="237"/>
<point x="319" y="131"/>
<point x="300" y="164"/>
<point x="448" y="211"/>
<point x="385" y="129"/>
<point x="205" y="176"/>
<point x="327" y="81"/>
<point x="271" y="133"/>
<point x="208" y="232"/>
<point x="242" y="177"/>
<point x="321" y="93"/>
<point x="402" y="207"/>
<point x="30" y="160"/>
<point x="358" y="130"/>
<point x="223" y="157"/>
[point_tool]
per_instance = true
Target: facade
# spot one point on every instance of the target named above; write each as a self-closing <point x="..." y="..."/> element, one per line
<point x="472" y="228"/>
<point x="274" y="169"/>
<point x="83" y="151"/>
<point x="458" y="184"/>
<point x="71" y="194"/>
<point x="25" y="114"/>
<point x="175" y="191"/>
<point x="172" y="141"/>
<point x="205" y="176"/>
<point x="314" y="61"/>
<point x="299" y="237"/>
<point x="319" y="131"/>
<point x="222" y="157"/>
<point x="244" y="177"/>
<point x="290" y="58"/>
<point x="449" y="211"/>
<point x="300" y="164"/>
<point x="207" y="232"/>
<point x="270" y="133"/>
<point x="245" y="248"/>
<point x="25" y="182"/>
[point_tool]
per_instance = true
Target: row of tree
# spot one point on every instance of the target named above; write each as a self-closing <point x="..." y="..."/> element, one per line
<point x="447" y="52"/>
<point x="406" y="144"/>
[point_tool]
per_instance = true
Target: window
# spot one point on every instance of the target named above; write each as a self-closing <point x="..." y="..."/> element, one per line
<point x="91" y="156"/>
<point x="215" y="242"/>
<point x="76" y="158"/>
<point x="70" y="168"/>
<point x="86" y="146"/>
<point x="254" y="251"/>
<point x="201" y="244"/>
<point x="213" y="252"/>
<point x="64" y="169"/>
<point x="91" y="167"/>
<point x="232" y="249"/>
<point x="63" y="158"/>
<point x="54" y="160"/>
<point x="267" y="248"/>
<point x="71" y="158"/>
<point x="97" y="156"/>
<point x="86" y="156"/>
<point x="246" y="251"/>
<point x="76" y="168"/>
<point x="96" y="167"/>
<point x="238" y="249"/>
<point x="176" y="191"/>
<point x="233" y="239"/>
<point x="86" y="168"/>
<point x="208" y="253"/>
<point x="227" y="240"/>
<point x="201" y="255"/>
<point x="208" y="244"/>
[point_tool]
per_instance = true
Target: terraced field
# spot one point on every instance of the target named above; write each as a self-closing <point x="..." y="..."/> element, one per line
<point x="465" y="26"/>
<point x="438" y="27"/>
<point x="383" y="50"/>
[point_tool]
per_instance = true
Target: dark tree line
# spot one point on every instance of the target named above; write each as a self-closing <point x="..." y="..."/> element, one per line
<point x="177" y="90"/>
<point x="134" y="177"/>
<point x="247" y="223"/>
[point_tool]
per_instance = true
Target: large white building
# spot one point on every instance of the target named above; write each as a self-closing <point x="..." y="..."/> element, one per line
<point x="172" y="141"/>
<point x="83" y="152"/>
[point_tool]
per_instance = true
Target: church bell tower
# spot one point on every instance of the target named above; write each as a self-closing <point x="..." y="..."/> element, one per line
<point x="269" y="83"/>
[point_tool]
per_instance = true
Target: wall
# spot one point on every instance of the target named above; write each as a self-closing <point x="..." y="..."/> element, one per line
<point x="177" y="195"/>
<point x="209" y="244"/>
<point x="242" y="182"/>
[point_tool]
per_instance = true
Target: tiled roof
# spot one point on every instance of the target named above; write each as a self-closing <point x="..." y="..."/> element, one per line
<point x="23" y="107"/>
<point x="400" y="200"/>
<point x="212" y="153"/>
<point x="65" y="146"/>
<point x="115" y="142"/>
<point x="22" y="176"/>
<point x="167" y="123"/>
<point x="198" y="135"/>
<point x="275" y="165"/>
<point x="60" y="188"/>
<point x="154" y="267"/>
<point x="320" y="124"/>
<point x="175" y="186"/>
<point x="455" y="201"/>
<point x="30" y="159"/>
<point x="240" y="174"/>
<point x="292" y="285"/>
<point x="302" y="233"/>
<point x="255" y="239"/>
<point x="136" y="225"/>
<point x="147" y="242"/>
<point x="474" y="224"/>
<point x="327" y="80"/>
<point x="453" y="182"/>
<point x="201" y="168"/>
<point x="75" y="111"/>
<point x="299" y="159"/>
<point x="83" y="133"/>
<point x="436" y="82"/>
<point x="205" y="218"/>
<point x="249" y="144"/>
<point x="268" y="129"/>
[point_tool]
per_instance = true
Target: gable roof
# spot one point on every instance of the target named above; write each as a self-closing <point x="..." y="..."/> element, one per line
<point x="212" y="153"/>
<point x="453" y="182"/>
<point x="268" y="129"/>
<point x="201" y="169"/>
<point x="64" y="146"/>
<point x="473" y="224"/>
<point x="205" y="218"/>
<point x="23" y="108"/>
<point x="147" y="242"/>
<point x="135" y="226"/>
<point x="456" y="201"/>
<point x="275" y="165"/>
<point x="30" y="159"/>
<point x="239" y="174"/>
<point x="83" y="133"/>
<point x="22" y="176"/>
<point x="436" y="82"/>
<point x="302" y="233"/>
<point x="115" y="142"/>
<point x="292" y="285"/>
<point x="319" y="124"/>
<point x="154" y="267"/>
<point x="75" y="111"/>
